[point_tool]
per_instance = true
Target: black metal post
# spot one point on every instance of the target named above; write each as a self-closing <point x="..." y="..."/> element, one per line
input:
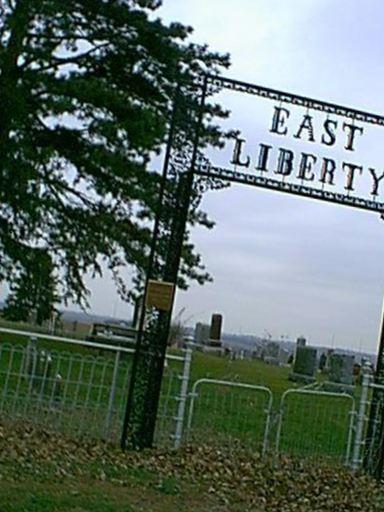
<point x="374" y="455"/>
<point x="151" y="260"/>
<point x="148" y="364"/>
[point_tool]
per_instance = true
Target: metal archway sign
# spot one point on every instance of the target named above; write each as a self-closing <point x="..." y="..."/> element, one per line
<point x="288" y="143"/>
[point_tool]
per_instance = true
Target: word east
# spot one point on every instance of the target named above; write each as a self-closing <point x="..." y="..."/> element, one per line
<point x="306" y="166"/>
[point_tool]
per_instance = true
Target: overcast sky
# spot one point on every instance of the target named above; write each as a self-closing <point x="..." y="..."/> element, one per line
<point x="282" y="264"/>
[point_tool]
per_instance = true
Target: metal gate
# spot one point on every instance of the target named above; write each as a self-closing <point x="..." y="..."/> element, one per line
<point x="223" y="411"/>
<point x="373" y="445"/>
<point x="316" y="424"/>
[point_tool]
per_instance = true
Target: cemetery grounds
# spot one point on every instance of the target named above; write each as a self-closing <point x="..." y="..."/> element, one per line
<point x="318" y="426"/>
<point x="228" y="420"/>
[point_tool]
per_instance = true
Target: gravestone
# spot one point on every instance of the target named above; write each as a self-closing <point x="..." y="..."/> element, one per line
<point x="301" y="341"/>
<point x="216" y="325"/>
<point x="341" y="370"/>
<point x="202" y="337"/>
<point x="284" y="356"/>
<point x="202" y="332"/>
<point x="271" y="350"/>
<point x="208" y="337"/>
<point x="305" y="364"/>
<point x="214" y="340"/>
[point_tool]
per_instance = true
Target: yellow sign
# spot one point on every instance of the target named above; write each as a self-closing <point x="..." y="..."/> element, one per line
<point x="160" y="295"/>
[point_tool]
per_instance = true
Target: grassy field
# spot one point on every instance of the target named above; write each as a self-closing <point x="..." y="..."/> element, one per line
<point x="313" y="426"/>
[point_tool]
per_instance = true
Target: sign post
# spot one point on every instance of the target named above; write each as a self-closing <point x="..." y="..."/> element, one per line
<point x="148" y="363"/>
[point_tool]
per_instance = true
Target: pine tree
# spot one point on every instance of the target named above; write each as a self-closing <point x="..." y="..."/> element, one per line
<point x="86" y="89"/>
<point x="33" y="293"/>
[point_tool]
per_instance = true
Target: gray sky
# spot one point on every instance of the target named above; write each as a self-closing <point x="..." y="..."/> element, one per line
<point x="280" y="263"/>
<point x="283" y="264"/>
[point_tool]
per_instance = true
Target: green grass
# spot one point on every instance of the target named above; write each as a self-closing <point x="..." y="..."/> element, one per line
<point x="28" y="497"/>
<point x="89" y="496"/>
<point x="246" y="371"/>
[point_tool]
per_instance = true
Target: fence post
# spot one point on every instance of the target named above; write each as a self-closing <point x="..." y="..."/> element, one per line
<point x="182" y="398"/>
<point x="267" y="425"/>
<point x="361" y="418"/>
<point x="30" y="355"/>
<point x="279" y="418"/>
<point x="35" y="365"/>
<point x="112" y="393"/>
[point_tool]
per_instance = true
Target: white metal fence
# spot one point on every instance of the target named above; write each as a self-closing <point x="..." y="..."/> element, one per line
<point x="316" y="424"/>
<point x="222" y="411"/>
<point x="369" y="441"/>
<point x="78" y="387"/>
<point x="305" y="423"/>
